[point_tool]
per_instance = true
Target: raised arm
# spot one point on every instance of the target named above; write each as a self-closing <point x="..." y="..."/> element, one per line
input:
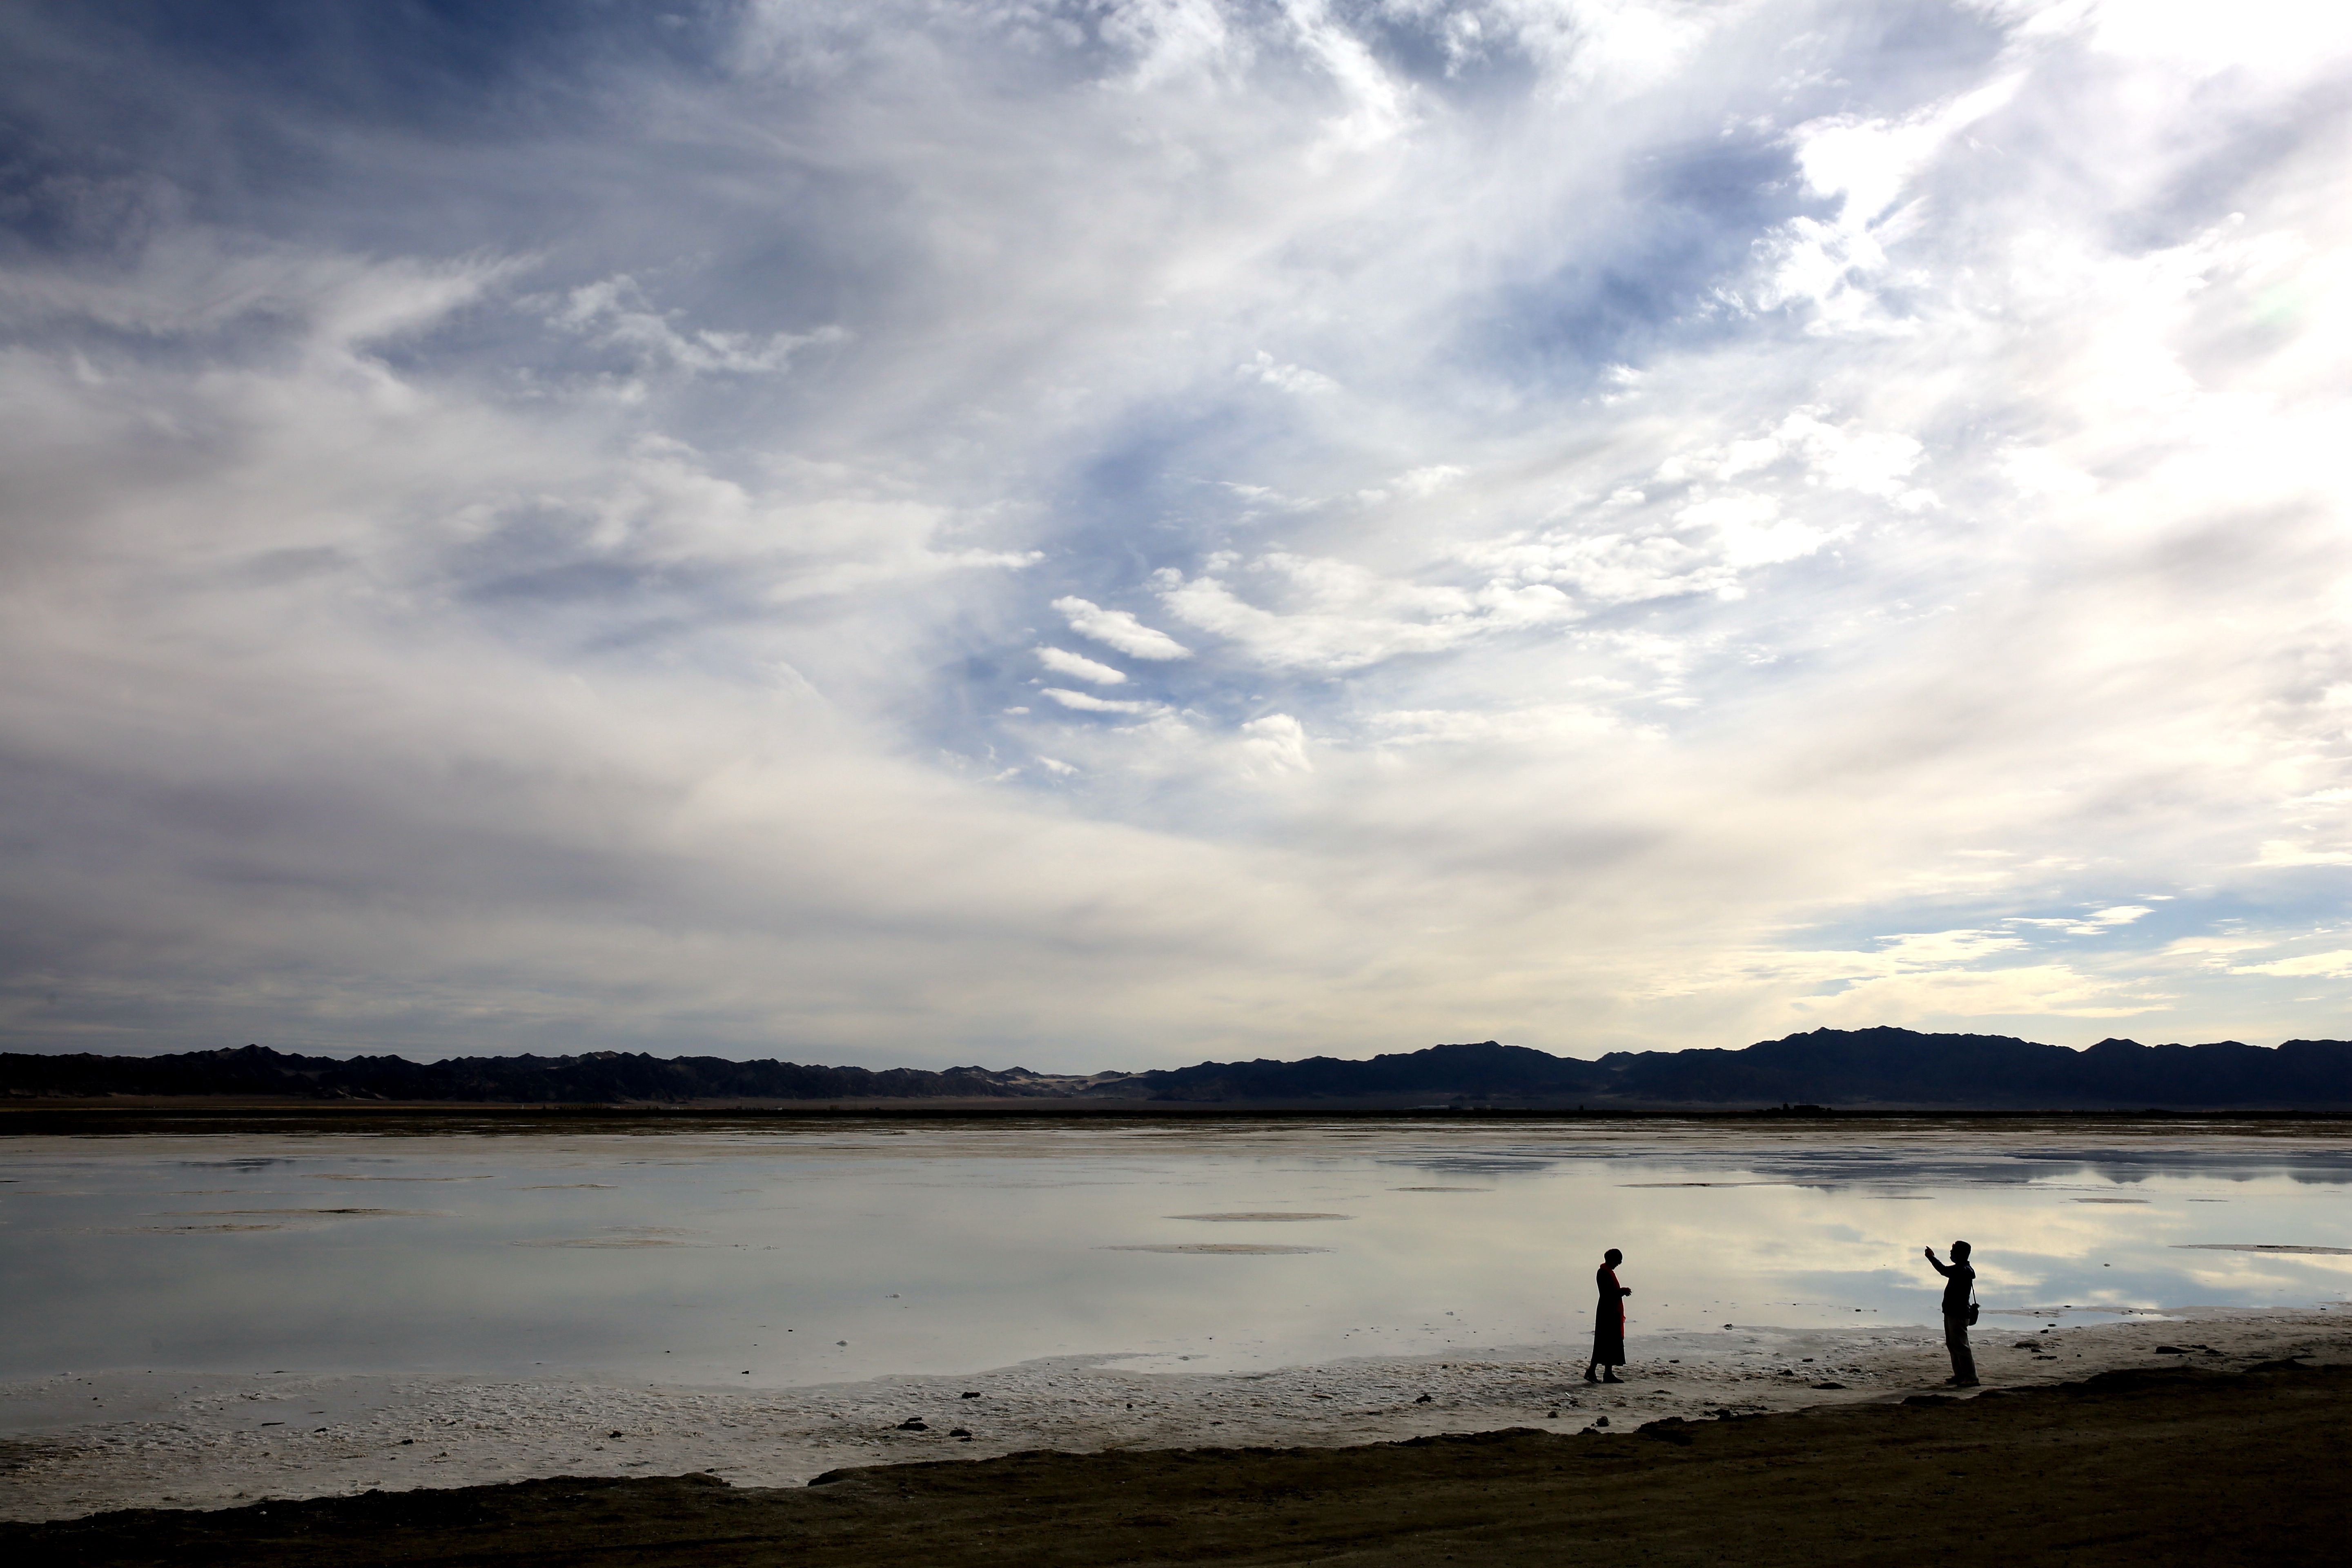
<point x="1943" y="1268"/>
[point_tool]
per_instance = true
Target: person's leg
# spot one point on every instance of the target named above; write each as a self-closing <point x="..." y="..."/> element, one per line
<point x="1956" y="1341"/>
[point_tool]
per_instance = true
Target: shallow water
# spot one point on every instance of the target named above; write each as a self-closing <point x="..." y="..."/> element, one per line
<point x="778" y="1255"/>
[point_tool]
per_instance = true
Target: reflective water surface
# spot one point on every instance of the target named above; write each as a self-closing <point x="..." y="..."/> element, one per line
<point x="778" y="1254"/>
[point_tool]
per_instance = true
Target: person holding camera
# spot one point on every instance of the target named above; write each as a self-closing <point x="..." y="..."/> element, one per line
<point x="1960" y="1311"/>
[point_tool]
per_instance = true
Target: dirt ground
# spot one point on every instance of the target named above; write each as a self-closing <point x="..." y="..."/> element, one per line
<point x="2173" y="1466"/>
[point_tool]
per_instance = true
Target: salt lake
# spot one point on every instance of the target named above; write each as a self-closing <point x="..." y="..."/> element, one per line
<point x="780" y="1254"/>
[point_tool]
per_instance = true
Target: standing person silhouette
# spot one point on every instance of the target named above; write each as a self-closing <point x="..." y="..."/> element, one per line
<point x="1608" y="1321"/>
<point x="1959" y="1284"/>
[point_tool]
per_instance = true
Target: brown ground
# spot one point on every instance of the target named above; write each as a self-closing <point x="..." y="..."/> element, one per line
<point x="2131" y="1467"/>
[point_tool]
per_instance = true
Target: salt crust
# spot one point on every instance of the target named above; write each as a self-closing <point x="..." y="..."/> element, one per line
<point x="158" y="1440"/>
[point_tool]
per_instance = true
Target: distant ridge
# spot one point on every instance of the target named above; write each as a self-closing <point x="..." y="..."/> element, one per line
<point x="598" y="1077"/>
<point x="1889" y="1067"/>
<point x="1881" y="1067"/>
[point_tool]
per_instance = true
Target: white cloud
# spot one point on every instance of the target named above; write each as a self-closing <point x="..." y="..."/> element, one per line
<point x="2333" y="965"/>
<point x="1418" y="483"/>
<point x="1750" y="531"/>
<point x="1277" y="744"/>
<point x="1121" y="630"/>
<point x="1377" y="107"/>
<point x="1925" y="975"/>
<point x="614" y="312"/>
<point x="2284" y="38"/>
<point x="1287" y="377"/>
<point x="1865" y="163"/>
<point x="1063" y="662"/>
<point x="1349" y="617"/>
<point x="1875" y="463"/>
<point x="2286" y="852"/>
<point x="1086" y="702"/>
<point x="1171" y="40"/>
<point x="2051" y="991"/>
<point x="2041" y="473"/>
<point x="1307" y="641"/>
<point x="1691" y="475"/>
<point x="1550" y="725"/>
<point x="2103" y="920"/>
<point x="1607" y="568"/>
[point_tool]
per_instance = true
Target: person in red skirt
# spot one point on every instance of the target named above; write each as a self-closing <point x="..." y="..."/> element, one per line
<point x="1609" y="1323"/>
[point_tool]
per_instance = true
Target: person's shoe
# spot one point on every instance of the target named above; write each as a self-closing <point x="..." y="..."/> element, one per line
<point x="1611" y="1377"/>
<point x="1590" y="1377"/>
<point x="1964" y="1383"/>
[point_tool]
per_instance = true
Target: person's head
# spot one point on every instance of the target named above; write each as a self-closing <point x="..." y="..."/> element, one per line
<point x="1612" y="1257"/>
<point x="1959" y="1249"/>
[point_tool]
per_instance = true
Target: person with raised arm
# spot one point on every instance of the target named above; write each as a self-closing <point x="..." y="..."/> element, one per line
<point x="1960" y="1311"/>
<point x="1609" y="1323"/>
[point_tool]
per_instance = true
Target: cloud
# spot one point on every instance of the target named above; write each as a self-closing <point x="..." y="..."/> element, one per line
<point x="1865" y="163"/>
<point x="1935" y="975"/>
<point x="1304" y="641"/>
<point x="1121" y="630"/>
<point x="1341" y="617"/>
<point x="1376" y="108"/>
<point x="613" y="311"/>
<point x="1063" y="662"/>
<point x="1663" y="524"/>
<point x="1516" y="730"/>
<point x="1276" y="744"/>
<point x="1287" y="377"/>
<point x="2333" y="965"/>
<point x="1086" y="702"/>
<point x="1419" y="483"/>
<point x="2287" y="852"/>
<point x="1750" y="530"/>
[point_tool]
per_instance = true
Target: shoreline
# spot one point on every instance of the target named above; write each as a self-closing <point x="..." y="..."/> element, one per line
<point x="53" y="1115"/>
<point x="199" y="1442"/>
<point x="2131" y="1468"/>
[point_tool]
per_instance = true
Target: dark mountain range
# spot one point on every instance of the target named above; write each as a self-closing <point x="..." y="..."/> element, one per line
<point x="1485" y="1071"/>
<point x="599" y="1077"/>
<point x="1882" y="1066"/>
<point x="1901" y="1067"/>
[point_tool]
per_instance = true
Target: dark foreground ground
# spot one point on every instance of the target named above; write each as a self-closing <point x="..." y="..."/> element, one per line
<point x="2169" y="1467"/>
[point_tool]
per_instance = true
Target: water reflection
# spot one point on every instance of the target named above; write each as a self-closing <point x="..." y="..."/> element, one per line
<point x="794" y="1255"/>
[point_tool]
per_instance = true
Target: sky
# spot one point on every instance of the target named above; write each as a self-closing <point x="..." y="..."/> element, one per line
<point x="1106" y="533"/>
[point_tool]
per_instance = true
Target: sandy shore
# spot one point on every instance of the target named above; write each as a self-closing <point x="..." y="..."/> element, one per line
<point x="2128" y="1469"/>
<point x="77" y="1445"/>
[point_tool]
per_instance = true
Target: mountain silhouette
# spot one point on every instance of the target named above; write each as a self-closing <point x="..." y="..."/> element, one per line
<point x="598" y="1077"/>
<point x="1879" y="1066"/>
<point x="1889" y="1067"/>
